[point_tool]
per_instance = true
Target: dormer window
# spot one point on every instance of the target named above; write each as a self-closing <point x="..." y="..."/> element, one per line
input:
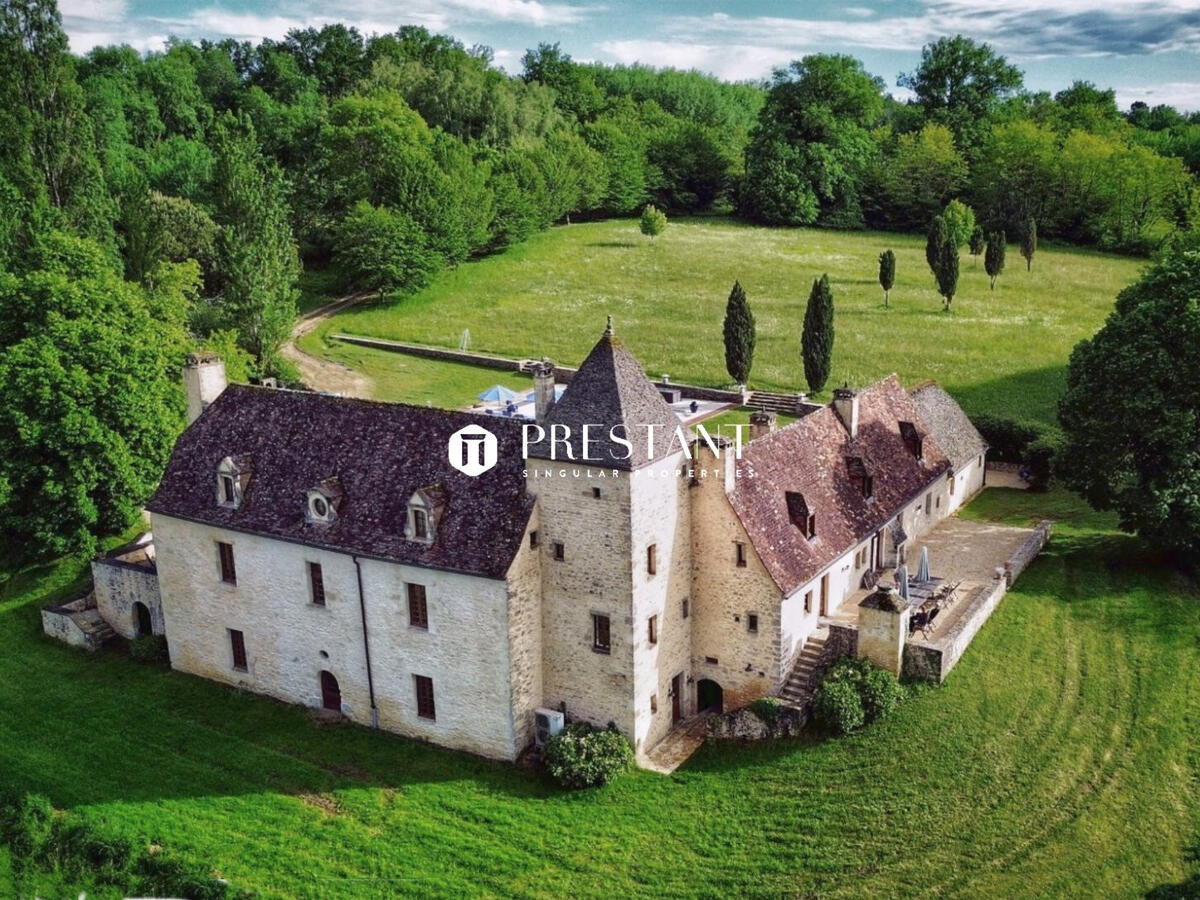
<point x="800" y="515"/>
<point x="912" y="439"/>
<point x="323" y="501"/>
<point x="425" y="509"/>
<point x="859" y="476"/>
<point x="233" y="478"/>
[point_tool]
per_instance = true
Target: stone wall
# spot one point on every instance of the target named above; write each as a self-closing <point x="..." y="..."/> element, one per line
<point x="660" y="511"/>
<point x="290" y="640"/>
<point x="119" y="585"/>
<point x="746" y="665"/>
<point x="62" y="623"/>
<point x="594" y="577"/>
<point x="525" y="636"/>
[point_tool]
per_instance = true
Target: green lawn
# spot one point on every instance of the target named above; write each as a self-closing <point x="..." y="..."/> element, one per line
<point x="1060" y="758"/>
<point x="1001" y="352"/>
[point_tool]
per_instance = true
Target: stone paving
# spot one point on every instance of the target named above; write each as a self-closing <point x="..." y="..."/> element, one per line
<point x="677" y="747"/>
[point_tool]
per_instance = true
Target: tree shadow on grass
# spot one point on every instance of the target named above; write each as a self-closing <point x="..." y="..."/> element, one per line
<point x="612" y="244"/>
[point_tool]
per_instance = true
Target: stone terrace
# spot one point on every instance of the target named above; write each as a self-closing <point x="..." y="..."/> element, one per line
<point x="959" y="551"/>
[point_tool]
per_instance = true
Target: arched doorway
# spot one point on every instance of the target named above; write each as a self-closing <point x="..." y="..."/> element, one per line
<point x="331" y="694"/>
<point x="141" y="618"/>
<point x="709" y="696"/>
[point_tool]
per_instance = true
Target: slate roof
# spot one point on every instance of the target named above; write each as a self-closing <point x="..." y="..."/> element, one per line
<point x="945" y="419"/>
<point x="809" y="457"/>
<point x="610" y="388"/>
<point x="380" y="453"/>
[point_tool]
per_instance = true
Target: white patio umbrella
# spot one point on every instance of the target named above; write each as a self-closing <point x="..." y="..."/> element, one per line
<point x="902" y="580"/>
<point x="923" y="569"/>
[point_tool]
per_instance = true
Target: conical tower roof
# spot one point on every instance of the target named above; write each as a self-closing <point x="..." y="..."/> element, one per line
<point x="610" y="389"/>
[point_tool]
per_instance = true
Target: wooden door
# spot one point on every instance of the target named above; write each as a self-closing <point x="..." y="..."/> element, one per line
<point x="676" y="698"/>
<point x="825" y="594"/>
<point x="331" y="694"/>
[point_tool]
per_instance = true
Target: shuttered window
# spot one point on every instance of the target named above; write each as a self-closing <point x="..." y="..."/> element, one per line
<point x="418" y="609"/>
<point x="316" y="581"/>
<point x="237" y="643"/>
<point x="225" y="557"/>
<point x="425" y="705"/>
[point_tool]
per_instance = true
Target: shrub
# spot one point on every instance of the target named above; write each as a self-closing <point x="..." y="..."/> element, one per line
<point x="582" y="755"/>
<point x="1040" y="459"/>
<point x="838" y="706"/>
<point x="854" y="693"/>
<point x="1007" y="439"/>
<point x="149" y="648"/>
<point x="881" y="692"/>
<point x="767" y="709"/>
<point x="653" y="221"/>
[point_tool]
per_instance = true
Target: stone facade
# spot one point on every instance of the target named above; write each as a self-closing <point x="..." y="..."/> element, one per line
<point x="122" y="580"/>
<point x="289" y="639"/>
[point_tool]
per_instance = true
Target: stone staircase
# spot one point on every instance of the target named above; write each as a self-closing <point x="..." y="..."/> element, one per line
<point x="798" y="689"/>
<point x="787" y="404"/>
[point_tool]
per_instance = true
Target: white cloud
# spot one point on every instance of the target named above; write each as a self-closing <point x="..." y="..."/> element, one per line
<point x="94" y="22"/>
<point x="735" y="62"/>
<point x="1184" y="95"/>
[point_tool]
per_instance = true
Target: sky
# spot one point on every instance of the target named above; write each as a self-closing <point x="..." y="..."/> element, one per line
<point x="1146" y="49"/>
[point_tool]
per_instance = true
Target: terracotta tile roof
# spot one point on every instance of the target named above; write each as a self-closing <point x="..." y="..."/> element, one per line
<point x="379" y="453"/>
<point x="945" y="419"/>
<point x="809" y="458"/>
<point x="610" y="388"/>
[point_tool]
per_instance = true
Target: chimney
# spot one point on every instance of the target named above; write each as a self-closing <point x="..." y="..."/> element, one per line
<point x="845" y="404"/>
<point x="762" y="423"/>
<point x="543" y="389"/>
<point x="203" y="382"/>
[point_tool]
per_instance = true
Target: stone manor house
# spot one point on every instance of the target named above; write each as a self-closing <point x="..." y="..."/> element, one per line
<point x="324" y="551"/>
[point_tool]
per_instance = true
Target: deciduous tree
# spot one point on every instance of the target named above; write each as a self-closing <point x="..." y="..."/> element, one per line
<point x="1132" y="403"/>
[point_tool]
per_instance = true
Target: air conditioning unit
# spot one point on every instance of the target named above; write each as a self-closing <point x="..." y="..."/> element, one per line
<point x="547" y="723"/>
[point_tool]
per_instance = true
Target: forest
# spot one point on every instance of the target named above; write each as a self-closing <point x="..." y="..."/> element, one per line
<point x="151" y="203"/>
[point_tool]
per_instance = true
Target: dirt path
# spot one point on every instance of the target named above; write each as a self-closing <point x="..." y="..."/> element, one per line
<point x="322" y="374"/>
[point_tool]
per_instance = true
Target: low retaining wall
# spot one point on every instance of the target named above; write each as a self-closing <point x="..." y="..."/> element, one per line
<point x="745" y="725"/>
<point x="562" y="374"/>
<point x="933" y="660"/>
<point x="63" y="622"/>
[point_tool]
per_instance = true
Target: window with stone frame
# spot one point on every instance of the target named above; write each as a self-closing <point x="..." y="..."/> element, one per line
<point x="601" y="634"/>
<point x="426" y="708"/>
<point x="652" y="629"/>
<point x="739" y="554"/>
<point x="560" y="552"/>
<point x="225" y="561"/>
<point x="237" y="647"/>
<point x="652" y="559"/>
<point x="418" y="607"/>
<point x="316" y="582"/>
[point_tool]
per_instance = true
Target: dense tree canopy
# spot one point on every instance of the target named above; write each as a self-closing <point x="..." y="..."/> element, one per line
<point x="1132" y="405"/>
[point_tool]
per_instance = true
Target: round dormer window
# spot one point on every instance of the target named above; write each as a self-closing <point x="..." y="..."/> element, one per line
<point x="319" y="507"/>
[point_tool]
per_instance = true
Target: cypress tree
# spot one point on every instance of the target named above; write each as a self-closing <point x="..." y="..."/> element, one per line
<point x="1029" y="242"/>
<point x="977" y="242"/>
<point x="937" y="235"/>
<point x="887" y="273"/>
<point x="993" y="259"/>
<point x="817" y="340"/>
<point x="739" y="335"/>
<point x="946" y="271"/>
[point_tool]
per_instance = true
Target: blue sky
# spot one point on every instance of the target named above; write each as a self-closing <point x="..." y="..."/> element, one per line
<point x="1146" y="49"/>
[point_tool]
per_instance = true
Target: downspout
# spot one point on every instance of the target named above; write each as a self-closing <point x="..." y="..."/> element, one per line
<point x="362" y="608"/>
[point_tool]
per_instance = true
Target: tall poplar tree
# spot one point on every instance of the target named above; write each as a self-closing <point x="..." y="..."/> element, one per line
<point x="257" y="255"/>
<point x="946" y="271"/>
<point x="816" y="342"/>
<point x="739" y="335"/>
<point x="937" y="235"/>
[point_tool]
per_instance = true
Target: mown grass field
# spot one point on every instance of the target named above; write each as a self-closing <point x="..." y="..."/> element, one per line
<point x="1002" y="352"/>
<point x="1059" y="759"/>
